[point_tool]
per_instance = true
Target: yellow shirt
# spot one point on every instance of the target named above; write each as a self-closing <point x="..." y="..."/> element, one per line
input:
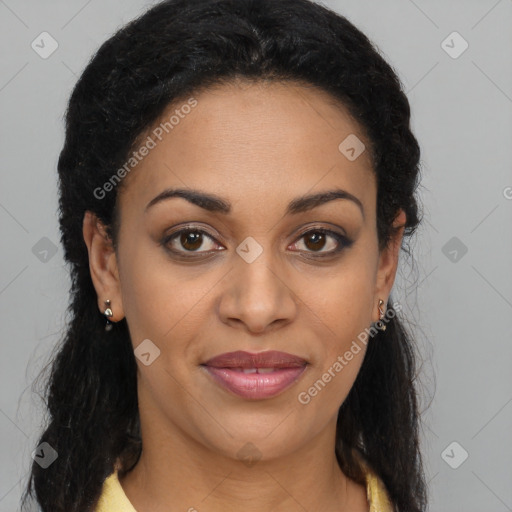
<point x="113" y="498"/>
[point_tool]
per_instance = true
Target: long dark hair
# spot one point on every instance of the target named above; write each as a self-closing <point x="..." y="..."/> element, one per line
<point x="174" y="50"/>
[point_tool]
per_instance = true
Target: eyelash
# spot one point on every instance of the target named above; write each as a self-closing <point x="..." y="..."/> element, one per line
<point x="343" y="242"/>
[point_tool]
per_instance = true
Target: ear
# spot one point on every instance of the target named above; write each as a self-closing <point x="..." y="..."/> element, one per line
<point x="388" y="263"/>
<point x="103" y="265"/>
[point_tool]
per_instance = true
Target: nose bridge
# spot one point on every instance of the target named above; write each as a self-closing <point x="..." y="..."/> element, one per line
<point x="258" y="293"/>
<point x="257" y="269"/>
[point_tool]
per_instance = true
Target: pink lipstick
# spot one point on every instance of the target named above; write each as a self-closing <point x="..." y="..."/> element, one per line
<point x="255" y="376"/>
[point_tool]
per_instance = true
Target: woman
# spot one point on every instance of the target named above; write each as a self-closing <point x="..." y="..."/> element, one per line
<point x="237" y="180"/>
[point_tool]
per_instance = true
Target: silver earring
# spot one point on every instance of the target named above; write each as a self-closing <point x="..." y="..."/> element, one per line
<point x="108" y="314"/>
<point x="382" y="314"/>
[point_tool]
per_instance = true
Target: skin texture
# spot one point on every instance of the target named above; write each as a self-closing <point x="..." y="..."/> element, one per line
<point x="257" y="146"/>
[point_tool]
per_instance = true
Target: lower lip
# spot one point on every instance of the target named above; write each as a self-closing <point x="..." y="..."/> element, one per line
<point x="256" y="386"/>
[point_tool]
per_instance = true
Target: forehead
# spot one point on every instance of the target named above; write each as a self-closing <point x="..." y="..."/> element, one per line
<point x="246" y="139"/>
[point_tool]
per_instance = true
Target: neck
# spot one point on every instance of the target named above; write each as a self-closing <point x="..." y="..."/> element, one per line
<point x="178" y="473"/>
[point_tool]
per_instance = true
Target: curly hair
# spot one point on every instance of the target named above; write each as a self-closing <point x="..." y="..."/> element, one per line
<point x="176" y="49"/>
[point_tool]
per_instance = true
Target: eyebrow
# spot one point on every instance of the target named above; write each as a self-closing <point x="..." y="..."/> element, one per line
<point x="216" y="204"/>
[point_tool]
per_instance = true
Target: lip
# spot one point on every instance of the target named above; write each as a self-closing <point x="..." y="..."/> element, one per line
<point x="267" y="359"/>
<point x="227" y="371"/>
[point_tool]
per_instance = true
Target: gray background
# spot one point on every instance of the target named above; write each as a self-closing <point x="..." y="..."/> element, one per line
<point x="459" y="302"/>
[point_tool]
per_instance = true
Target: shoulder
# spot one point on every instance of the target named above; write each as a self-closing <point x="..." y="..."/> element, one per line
<point x="376" y="493"/>
<point x="113" y="497"/>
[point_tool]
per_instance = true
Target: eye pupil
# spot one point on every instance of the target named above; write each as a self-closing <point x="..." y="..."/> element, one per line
<point x="192" y="236"/>
<point x="318" y="240"/>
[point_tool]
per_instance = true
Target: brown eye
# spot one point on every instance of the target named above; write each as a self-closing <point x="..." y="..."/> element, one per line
<point x="318" y="239"/>
<point x="315" y="241"/>
<point x="189" y="241"/>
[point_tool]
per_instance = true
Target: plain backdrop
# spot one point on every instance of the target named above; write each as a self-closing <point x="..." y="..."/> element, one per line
<point x="455" y="61"/>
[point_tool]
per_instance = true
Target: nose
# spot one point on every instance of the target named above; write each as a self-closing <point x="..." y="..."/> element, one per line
<point x="259" y="295"/>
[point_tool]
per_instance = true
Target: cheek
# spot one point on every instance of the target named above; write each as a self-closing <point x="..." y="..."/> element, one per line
<point x="340" y="305"/>
<point x="160" y="298"/>
<point x="342" y="301"/>
<point x="344" y="312"/>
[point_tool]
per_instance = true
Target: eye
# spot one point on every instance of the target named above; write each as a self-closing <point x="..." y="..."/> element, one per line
<point x="189" y="240"/>
<point x="317" y="239"/>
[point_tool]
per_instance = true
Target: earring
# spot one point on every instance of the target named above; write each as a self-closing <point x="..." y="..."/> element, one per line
<point x="382" y="314"/>
<point x="108" y="314"/>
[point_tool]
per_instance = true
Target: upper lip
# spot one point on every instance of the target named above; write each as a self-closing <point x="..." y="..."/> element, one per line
<point x="267" y="359"/>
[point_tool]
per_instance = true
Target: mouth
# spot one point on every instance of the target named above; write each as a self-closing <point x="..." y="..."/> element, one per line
<point x="255" y="376"/>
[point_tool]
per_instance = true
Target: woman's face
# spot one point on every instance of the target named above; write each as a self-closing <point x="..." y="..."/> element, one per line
<point x="254" y="273"/>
